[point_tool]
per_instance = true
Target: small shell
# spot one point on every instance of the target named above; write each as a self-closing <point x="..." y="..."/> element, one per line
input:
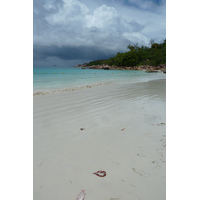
<point x="81" y="195"/>
<point x="100" y="173"/>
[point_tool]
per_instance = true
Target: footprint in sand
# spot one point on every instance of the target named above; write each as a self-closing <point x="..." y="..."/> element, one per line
<point x="141" y="172"/>
<point x="128" y="183"/>
<point x="155" y="162"/>
<point x="162" y="160"/>
<point x="40" y="164"/>
<point x="140" y="155"/>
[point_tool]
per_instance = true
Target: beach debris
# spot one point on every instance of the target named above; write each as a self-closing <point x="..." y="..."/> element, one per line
<point x="100" y="173"/>
<point x="81" y="195"/>
<point x="82" y="129"/>
<point x="122" y="129"/>
<point x="161" y="124"/>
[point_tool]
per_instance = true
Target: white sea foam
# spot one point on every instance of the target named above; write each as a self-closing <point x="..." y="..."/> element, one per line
<point x="44" y="92"/>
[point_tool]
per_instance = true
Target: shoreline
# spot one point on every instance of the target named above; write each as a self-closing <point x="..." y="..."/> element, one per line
<point x="117" y="128"/>
<point x="143" y="78"/>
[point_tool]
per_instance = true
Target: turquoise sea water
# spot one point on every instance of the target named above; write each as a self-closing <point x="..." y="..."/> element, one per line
<point x="64" y="78"/>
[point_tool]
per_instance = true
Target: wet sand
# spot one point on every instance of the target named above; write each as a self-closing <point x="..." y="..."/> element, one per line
<point x="117" y="128"/>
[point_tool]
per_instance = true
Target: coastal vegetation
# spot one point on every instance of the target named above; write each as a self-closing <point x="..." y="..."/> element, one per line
<point x="154" y="55"/>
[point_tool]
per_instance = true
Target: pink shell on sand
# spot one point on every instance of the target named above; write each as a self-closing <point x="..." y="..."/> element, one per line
<point x="100" y="173"/>
<point x="81" y="195"/>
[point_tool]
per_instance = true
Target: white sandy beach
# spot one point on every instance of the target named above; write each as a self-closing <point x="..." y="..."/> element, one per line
<point x="124" y="134"/>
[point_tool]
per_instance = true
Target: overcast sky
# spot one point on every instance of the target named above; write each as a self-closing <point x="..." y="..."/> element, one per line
<point x="69" y="32"/>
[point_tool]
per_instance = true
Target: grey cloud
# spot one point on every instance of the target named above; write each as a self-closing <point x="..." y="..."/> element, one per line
<point x="87" y="29"/>
<point x="67" y="27"/>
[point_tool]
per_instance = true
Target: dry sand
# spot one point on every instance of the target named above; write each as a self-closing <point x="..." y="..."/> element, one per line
<point x="123" y="134"/>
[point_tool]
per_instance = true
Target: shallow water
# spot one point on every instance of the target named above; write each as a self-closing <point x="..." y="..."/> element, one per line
<point x="54" y="79"/>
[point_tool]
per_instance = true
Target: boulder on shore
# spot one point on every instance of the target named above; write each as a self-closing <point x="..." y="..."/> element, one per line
<point x="106" y="68"/>
<point x="151" y="71"/>
<point x="148" y="68"/>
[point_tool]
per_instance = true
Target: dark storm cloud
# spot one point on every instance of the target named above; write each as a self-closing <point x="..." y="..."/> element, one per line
<point x="141" y="4"/>
<point x="88" y="29"/>
<point x="70" y="53"/>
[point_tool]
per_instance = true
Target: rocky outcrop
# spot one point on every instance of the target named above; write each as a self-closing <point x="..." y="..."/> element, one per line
<point x="82" y="65"/>
<point x="147" y="68"/>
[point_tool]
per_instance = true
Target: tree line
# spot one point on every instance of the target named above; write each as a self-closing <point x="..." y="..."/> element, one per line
<point x="137" y="55"/>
